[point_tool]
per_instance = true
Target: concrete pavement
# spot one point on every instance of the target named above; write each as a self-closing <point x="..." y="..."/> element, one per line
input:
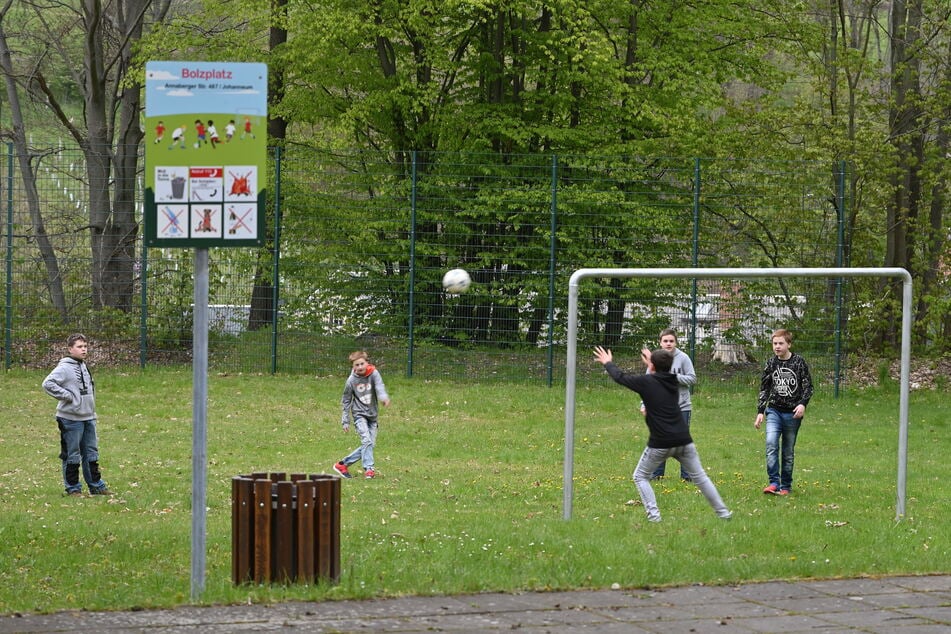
<point x="892" y="605"/>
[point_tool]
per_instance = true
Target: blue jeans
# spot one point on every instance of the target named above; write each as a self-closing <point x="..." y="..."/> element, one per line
<point x="79" y="449"/>
<point x="659" y="472"/>
<point x="690" y="462"/>
<point x="367" y="430"/>
<point x="781" y="428"/>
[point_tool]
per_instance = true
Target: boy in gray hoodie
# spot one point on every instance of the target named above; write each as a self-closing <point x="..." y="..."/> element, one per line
<point x="71" y="384"/>
<point x="362" y="392"/>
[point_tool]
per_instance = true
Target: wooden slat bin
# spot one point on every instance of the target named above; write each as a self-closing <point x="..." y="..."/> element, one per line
<point x="284" y="529"/>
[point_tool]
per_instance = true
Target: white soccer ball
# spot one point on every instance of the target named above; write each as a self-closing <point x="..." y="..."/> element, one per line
<point x="456" y="281"/>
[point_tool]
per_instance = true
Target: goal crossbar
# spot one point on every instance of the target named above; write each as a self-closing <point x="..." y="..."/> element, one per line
<point x="734" y="273"/>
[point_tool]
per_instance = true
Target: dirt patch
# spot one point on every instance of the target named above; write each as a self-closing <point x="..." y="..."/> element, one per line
<point x="924" y="374"/>
<point x="44" y="355"/>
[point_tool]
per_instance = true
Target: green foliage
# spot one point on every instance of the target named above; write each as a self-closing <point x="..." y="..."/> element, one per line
<point x="480" y="128"/>
<point x="469" y="496"/>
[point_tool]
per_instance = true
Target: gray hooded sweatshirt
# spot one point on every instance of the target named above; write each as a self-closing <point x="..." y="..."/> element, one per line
<point x="71" y="384"/>
<point x="361" y="394"/>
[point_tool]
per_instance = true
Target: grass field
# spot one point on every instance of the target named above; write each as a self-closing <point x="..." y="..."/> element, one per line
<point x="469" y="496"/>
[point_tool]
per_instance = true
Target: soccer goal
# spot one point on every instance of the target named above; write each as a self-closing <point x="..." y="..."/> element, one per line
<point x="728" y="273"/>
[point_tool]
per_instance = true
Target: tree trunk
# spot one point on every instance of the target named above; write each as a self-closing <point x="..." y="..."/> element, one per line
<point x="935" y="265"/>
<point x="111" y="202"/>
<point x="48" y="255"/>
<point x="262" y="294"/>
<point x="904" y="122"/>
<point x="122" y="230"/>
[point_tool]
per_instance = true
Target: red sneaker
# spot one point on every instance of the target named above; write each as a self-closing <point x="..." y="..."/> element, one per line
<point x="341" y="468"/>
<point x="772" y="490"/>
<point x="369" y="474"/>
<point x="783" y="492"/>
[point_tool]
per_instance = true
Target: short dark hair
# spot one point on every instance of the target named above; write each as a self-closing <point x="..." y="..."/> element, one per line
<point x="73" y="338"/>
<point x="662" y="360"/>
<point x="668" y="331"/>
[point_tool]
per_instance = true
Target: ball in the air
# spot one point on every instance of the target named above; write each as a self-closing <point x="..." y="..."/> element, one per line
<point x="456" y="281"/>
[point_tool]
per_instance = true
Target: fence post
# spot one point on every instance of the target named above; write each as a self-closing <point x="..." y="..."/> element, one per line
<point x="8" y="317"/>
<point x="695" y="258"/>
<point x="552" y="262"/>
<point x="411" y="299"/>
<point x="144" y="306"/>
<point x="276" y="258"/>
<point x="840" y="200"/>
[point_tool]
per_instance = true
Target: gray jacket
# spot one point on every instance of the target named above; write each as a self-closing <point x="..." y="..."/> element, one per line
<point x="71" y="384"/>
<point x="686" y="377"/>
<point x="361" y="395"/>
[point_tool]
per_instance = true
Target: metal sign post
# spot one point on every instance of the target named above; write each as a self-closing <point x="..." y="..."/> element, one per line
<point x="199" y="422"/>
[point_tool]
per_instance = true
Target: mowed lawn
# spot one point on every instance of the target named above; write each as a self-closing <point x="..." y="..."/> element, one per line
<point x="469" y="495"/>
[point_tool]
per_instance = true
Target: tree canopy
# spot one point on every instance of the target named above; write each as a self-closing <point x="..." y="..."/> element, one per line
<point x="855" y="82"/>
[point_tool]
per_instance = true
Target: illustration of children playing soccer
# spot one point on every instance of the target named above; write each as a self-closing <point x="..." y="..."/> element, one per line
<point x="247" y="128"/>
<point x="200" y="130"/>
<point x="213" y="134"/>
<point x="178" y="136"/>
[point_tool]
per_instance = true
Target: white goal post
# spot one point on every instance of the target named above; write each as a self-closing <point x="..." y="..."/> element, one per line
<point x="728" y="273"/>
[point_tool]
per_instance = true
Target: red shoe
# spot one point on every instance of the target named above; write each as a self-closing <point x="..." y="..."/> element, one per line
<point x="783" y="492"/>
<point x="772" y="490"/>
<point x="369" y="474"/>
<point x="341" y="468"/>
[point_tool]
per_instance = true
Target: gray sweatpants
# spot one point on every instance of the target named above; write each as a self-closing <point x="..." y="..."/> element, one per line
<point x="689" y="461"/>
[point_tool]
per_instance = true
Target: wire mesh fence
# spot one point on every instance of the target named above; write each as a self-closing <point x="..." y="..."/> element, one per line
<point x="359" y="242"/>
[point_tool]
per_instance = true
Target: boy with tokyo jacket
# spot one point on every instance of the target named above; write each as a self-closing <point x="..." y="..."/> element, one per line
<point x="361" y="393"/>
<point x="785" y="391"/>
<point x="669" y="435"/>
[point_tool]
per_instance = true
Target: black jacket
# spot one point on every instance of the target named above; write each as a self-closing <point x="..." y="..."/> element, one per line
<point x="660" y="393"/>
<point x="784" y="384"/>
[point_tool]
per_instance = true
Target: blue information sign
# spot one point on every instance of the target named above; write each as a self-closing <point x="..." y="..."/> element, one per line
<point x="205" y="154"/>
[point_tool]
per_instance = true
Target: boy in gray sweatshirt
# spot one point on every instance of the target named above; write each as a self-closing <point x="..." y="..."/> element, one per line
<point x="71" y="384"/>
<point x="362" y="392"/>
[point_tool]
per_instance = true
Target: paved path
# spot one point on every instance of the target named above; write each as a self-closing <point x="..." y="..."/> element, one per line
<point x="893" y="605"/>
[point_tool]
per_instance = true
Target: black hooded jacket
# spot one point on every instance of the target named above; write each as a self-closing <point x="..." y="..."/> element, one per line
<point x="660" y="393"/>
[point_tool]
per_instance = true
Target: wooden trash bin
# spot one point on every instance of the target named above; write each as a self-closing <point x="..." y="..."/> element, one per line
<point x="285" y="530"/>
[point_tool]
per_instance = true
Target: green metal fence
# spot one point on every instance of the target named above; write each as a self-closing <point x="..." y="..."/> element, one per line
<point x="361" y="240"/>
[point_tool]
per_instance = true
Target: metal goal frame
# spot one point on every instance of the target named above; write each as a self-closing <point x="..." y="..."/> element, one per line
<point x="734" y="273"/>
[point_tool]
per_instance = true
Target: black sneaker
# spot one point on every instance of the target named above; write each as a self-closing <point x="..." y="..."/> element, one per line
<point x="103" y="491"/>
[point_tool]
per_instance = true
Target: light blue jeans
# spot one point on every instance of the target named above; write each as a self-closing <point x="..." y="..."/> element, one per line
<point x="689" y="461"/>
<point x="79" y="445"/>
<point x="781" y="429"/>
<point x="659" y="471"/>
<point x="366" y="429"/>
